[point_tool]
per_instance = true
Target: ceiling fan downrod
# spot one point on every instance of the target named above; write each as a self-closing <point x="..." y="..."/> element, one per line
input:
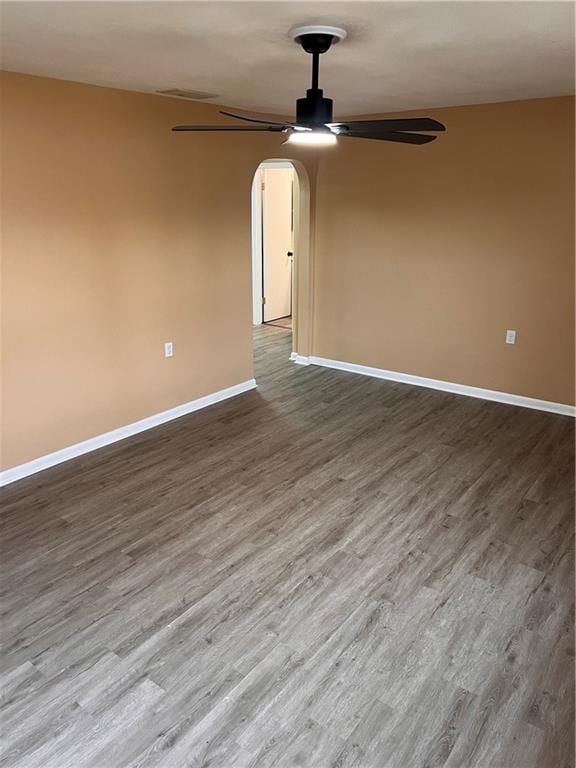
<point x="315" y="108"/>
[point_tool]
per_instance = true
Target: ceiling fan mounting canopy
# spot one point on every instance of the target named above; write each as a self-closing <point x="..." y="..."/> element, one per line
<point x="317" y="38"/>
<point x="314" y="113"/>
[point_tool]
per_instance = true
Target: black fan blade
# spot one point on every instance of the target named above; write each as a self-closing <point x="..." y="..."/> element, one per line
<point x="251" y="119"/>
<point x="404" y="138"/>
<point x="277" y="129"/>
<point x="407" y="124"/>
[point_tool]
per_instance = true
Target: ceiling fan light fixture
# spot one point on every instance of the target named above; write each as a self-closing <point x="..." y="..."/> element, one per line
<point x="313" y="138"/>
<point x="313" y="125"/>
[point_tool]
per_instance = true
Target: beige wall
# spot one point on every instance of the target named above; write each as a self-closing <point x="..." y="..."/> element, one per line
<point x="117" y="235"/>
<point x="427" y="255"/>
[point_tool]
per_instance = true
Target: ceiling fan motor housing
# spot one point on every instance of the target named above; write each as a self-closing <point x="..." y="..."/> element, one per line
<point x="314" y="108"/>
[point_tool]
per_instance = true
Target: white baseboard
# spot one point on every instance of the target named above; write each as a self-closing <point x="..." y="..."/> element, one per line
<point x="86" y="446"/>
<point x="444" y="386"/>
<point x="300" y="359"/>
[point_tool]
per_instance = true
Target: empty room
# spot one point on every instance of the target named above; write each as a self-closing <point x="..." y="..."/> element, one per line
<point x="287" y="384"/>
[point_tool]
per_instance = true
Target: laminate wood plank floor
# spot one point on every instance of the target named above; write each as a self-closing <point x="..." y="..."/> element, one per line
<point x="330" y="571"/>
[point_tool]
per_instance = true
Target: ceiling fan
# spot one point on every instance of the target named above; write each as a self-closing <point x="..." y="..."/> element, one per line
<point x="313" y="123"/>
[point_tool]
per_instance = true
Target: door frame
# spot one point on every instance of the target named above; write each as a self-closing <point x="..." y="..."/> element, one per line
<point x="302" y="286"/>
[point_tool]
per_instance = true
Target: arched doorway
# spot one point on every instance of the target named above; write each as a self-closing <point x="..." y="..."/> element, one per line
<point x="301" y="289"/>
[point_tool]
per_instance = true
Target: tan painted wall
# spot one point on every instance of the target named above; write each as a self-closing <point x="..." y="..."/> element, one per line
<point x="117" y="235"/>
<point x="426" y="255"/>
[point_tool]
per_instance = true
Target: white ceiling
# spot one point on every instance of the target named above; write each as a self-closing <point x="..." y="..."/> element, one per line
<point x="399" y="55"/>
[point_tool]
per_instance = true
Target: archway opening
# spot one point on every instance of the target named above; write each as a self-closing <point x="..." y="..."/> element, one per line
<point x="282" y="253"/>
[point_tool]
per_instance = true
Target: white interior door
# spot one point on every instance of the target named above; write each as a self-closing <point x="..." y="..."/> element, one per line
<point x="277" y="242"/>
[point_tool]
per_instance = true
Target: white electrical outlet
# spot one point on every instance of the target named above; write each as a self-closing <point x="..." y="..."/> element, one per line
<point x="168" y="349"/>
<point x="510" y="337"/>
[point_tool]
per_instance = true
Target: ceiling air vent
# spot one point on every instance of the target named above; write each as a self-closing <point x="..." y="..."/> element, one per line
<point x="180" y="93"/>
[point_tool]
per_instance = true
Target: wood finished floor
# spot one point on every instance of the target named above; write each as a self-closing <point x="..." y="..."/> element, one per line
<point x="331" y="571"/>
